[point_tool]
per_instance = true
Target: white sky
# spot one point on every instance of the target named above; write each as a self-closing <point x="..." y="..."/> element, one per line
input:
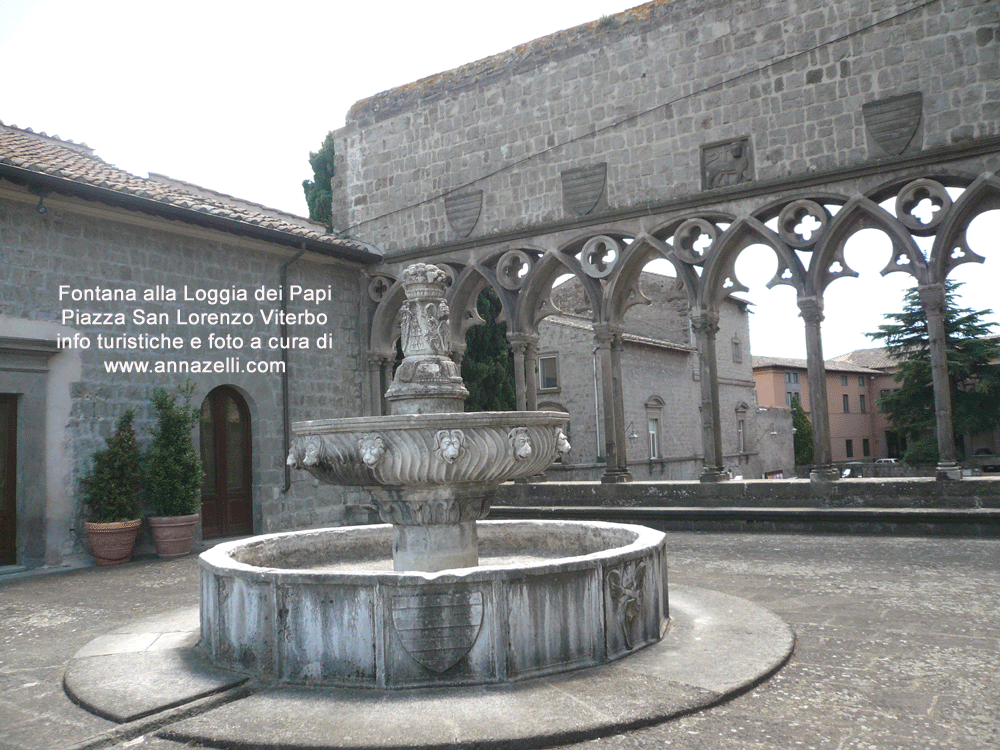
<point x="234" y="95"/>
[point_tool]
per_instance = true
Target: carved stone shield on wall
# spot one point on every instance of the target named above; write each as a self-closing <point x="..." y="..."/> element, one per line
<point x="893" y="122"/>
<point x="437" y="630"/>
<point x="463" y="211"/>
<point x="583" y="187"/>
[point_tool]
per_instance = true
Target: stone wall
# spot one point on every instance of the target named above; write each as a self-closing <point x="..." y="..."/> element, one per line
<point x="651" y="93"/>
<point x="82" y="246"/>
<point x="660" y="380"/>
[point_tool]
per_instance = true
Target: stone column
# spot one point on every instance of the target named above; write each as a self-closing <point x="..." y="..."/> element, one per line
<point x="933" y="301"/>
<point x="377" y="364"/>
<point x="609" y="353"/>
<point x="621" y="463"/>
<point x="823" y="470"/>
<point x="518" y="344"/>
<point x="706" y="326"/>
<point x="531" y="372"/>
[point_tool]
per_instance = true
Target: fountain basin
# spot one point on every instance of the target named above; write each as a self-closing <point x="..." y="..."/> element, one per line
<point x="325" y="607"/>
<point x="421" y="450"/>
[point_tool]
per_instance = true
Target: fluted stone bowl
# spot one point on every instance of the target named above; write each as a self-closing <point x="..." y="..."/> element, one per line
<point x="428" y="450"/>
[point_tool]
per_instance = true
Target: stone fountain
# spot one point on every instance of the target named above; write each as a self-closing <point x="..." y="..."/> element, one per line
<point x="463" y="601"/>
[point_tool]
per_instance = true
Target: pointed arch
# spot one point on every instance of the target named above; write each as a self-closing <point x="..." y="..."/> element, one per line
<point x="862" y="213"/>
<point x="981" y="196"/>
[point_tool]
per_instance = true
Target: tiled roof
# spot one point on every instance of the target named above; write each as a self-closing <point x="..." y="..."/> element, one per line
<point x="581" y="324"/>
<point x="877" y="358"/>
<point x="53" y="165"/>
<point x="789" y="363"/>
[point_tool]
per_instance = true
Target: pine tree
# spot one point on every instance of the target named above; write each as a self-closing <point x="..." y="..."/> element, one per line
<point x="317" y="190"/>
<point x="973" y="372"/>
<point x="488" y="365"/>
<point x="803" y="439"/>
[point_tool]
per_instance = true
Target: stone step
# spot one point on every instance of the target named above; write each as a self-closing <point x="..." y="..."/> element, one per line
<point x="983" y="522"/>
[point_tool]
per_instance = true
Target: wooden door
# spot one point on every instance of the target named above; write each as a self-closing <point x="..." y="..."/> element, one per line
<point x="8" y="477"/>
<point x="226" y="497"/>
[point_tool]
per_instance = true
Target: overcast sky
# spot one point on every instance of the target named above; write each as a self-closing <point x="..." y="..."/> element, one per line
<point x="234" y="95"/>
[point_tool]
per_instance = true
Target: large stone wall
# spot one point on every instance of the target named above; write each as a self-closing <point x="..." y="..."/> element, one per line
<point x="655" y="374"/>
<point x="84" y="246"/>
<point x="645" y="91"/>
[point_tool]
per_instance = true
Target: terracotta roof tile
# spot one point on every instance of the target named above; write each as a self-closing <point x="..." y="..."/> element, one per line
<point x="77" y="163"/>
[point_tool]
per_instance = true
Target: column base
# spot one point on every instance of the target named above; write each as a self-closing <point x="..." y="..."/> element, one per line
<point x="435" y="547"/>
<point x="824" y="474"/>
<point x="950" y="472"/>
<point x="616" y="476"/>
<point x="713" y="475"/>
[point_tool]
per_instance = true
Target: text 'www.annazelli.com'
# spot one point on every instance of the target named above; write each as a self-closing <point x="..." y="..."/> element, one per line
<point x="194" y="366"/>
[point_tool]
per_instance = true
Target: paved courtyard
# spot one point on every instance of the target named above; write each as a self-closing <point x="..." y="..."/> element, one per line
<point x="898" y="644"/>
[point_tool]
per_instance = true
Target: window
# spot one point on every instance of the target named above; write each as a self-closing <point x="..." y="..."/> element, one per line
<point x="654" y="437"/>
<point x="861" y="380"/>
<point x="791" y="377"/>
<point x="850" y="449"/>
<point x="789" y="397"/>
<point x="866" y="447"/>
<point x="847" y="402"/>
<point x="843" y="381"/>
<point x="548" y="372"/>
<point x="741" y="435"/>
<point x="864" y="406"/>
<point x="737" y="351"/>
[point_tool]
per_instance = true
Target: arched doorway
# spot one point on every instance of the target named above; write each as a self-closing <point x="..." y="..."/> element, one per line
<point x="226" y="495"/>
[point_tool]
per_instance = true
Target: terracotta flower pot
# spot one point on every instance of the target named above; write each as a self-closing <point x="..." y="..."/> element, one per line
<point x="112" y="543"/>
<point x="173" y="535"/>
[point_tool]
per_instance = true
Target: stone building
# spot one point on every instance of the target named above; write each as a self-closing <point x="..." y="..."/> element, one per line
<point x="660" y="388"/>
<point x="107" y="279"/>
<point x="686" y="131"/>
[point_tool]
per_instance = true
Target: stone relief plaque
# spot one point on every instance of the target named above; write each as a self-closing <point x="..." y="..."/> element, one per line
<point x="462" y="210"/>
<point x="438" y="630"/>
<point x="583" y="187"/>
<point x="726" y="163"/>
<point x="892" y="123"/>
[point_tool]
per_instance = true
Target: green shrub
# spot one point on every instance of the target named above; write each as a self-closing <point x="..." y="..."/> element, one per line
<point x="111" y="488"/>
<point x="173" y="467"/>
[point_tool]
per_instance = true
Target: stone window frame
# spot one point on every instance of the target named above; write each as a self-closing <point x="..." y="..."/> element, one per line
<point x="654" y="423"/>
<point x="737" y="350"/>
<point x="540" y="359"/>
<point x="741" y="427"/>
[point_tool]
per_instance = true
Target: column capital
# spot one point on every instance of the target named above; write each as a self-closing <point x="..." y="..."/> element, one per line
<point x="376" y="360"/>
<point x="811" y="309"/>
<point x="605" y="335"/>
<point x="932" y="297"/>
<point x="706" y="321"/>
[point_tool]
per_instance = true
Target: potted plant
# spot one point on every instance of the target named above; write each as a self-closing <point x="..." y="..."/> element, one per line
<point x="173" y="473"/>
<point x="111" y="490"/>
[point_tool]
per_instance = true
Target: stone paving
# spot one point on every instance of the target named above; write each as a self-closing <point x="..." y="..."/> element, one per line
<point x="898" y="643"/>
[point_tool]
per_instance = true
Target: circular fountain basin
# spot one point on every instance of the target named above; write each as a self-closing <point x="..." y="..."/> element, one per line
<point x="325" y="607"/>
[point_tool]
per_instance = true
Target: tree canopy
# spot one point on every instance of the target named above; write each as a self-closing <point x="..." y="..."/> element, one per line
<point x="317" y="190"/>
<point x="803" y="439"/>
<point x="973" y="371"/>
<point x="488" y="365"/>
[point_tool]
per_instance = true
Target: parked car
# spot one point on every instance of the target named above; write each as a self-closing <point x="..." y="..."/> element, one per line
<point x="887" y="460"/>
